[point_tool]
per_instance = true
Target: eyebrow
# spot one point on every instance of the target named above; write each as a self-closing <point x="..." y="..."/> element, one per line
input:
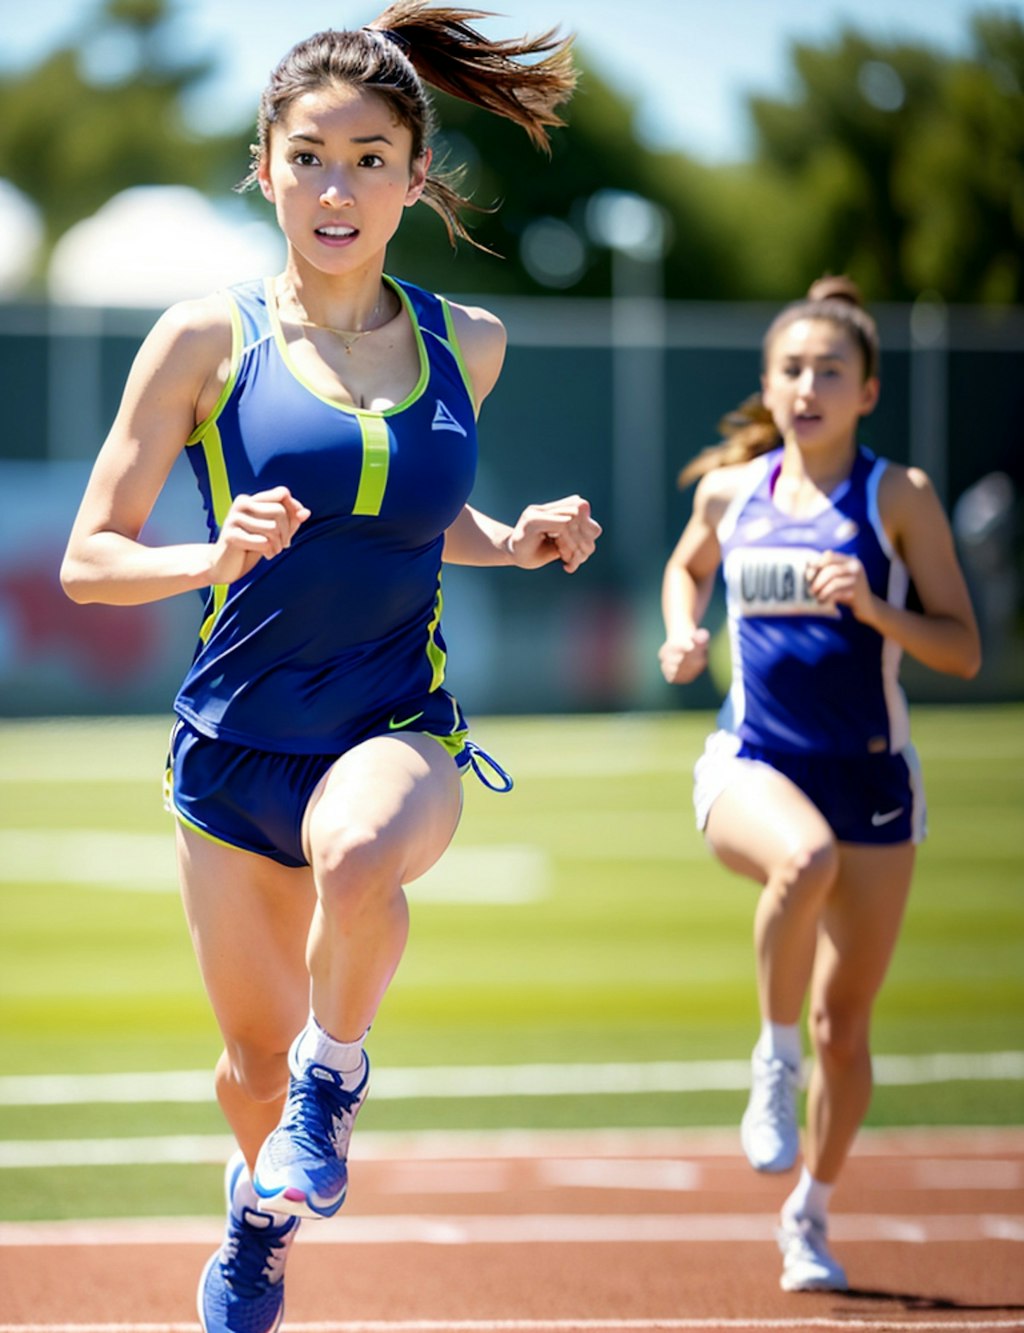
<point x="364" y="138"/>
<point x="825" y="356"/>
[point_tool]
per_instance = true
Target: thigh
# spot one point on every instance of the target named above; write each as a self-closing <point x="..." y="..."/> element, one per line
<point x="402" y="794"/>
<point x="761" y="819"/>
<point x="249" y="917"/>
<point x="860" y="925"/>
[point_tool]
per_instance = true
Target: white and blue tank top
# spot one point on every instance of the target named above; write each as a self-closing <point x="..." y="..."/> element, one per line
<point x="344" y="625"/>
<point x="805" y="677"/>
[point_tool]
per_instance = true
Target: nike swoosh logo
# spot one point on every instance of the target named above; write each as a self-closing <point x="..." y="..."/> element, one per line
<point x="878" y="820"/>
<point x="397" y="726"/>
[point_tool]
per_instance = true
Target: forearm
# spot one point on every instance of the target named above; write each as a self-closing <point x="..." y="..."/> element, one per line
<point x="944" y="643"/>
<point x="476" y="539"/>
<point x="113" y="569"/>
<point x="684" y="600"/>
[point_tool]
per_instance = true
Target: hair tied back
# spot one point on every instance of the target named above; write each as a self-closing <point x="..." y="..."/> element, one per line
<point x="390" y="35"/>
<point x="835" y="287"/>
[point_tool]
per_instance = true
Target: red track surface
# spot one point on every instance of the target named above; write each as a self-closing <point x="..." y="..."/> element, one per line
<point x="554" y="1234"/>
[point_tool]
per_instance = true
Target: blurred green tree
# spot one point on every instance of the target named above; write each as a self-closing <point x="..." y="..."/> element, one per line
<point x="899" y="164"/>
<point x="104" y="113"/>
<point x="895" y="163"/>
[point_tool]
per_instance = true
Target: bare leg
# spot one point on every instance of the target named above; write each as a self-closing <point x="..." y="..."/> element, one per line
<point x="860" y="927"/>
<point x="241" y="908"/>
<point x="764" y="827"/>
<point x="379" y="819"/>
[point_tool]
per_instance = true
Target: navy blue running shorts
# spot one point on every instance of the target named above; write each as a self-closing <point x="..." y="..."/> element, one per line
<point x="876" y="798"/>
<point x="256" y="799"/>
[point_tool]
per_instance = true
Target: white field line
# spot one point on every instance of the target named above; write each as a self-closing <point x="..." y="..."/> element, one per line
<point x="534" y="1080"/>
<point x="531" y="1229"/>
<point x="558" y="1326"/>
<point x="145" y="863"/>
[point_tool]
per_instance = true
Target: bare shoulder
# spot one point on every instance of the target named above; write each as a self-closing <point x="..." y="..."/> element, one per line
<point x="905" y="490"/>
<point x="478" y="329"/>
<point x="195" y="329"/>
<point x="716" y="490"/>
<point x="482" y="339"/>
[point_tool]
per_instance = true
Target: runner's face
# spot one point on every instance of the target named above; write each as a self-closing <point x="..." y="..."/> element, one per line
<point x="339" y="170"/>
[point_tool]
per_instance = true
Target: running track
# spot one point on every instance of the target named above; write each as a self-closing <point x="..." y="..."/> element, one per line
<point x="573" y="1233"/>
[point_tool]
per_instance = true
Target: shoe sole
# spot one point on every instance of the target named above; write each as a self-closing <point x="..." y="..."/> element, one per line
<point x="298" y="1204"/>
<point x="813" y="1284"/>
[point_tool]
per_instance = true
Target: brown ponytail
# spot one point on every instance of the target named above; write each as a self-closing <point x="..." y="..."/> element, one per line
<point x="411" y="44"/>
<point x="456" y="59"/>
<point x="749" y="429"/>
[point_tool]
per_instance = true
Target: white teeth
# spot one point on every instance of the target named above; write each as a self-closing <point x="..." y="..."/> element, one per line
<point x="336" y="231"/>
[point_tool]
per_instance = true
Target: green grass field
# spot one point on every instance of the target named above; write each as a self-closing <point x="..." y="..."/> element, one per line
<point x="605" y="933"/>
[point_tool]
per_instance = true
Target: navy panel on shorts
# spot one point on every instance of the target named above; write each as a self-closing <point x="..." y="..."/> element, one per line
<point x="256" y="799"/>
<point x="864" y="798"/>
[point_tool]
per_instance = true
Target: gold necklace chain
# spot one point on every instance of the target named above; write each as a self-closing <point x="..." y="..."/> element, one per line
<point x="349" y="337"/>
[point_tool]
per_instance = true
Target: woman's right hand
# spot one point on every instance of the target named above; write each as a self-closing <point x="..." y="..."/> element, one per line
<point x="257" y="527"/>
<point x="684" y="658"/>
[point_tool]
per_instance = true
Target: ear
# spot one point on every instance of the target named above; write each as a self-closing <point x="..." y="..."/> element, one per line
<point x="418" y="177"/>
<point x="870" y="390"/>
<point x="263" y="176"/>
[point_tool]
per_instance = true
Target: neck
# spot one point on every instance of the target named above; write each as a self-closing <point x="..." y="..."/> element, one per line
<point x="354" y="304"/>
<point x="821" y="468"/>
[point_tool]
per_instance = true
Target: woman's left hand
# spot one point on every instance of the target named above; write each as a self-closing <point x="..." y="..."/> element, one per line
<point x="559" y="530"/>
<point x="840" y="580"/>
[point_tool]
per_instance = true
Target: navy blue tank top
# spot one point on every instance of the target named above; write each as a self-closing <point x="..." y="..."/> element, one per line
<point x="344" y="625"/>
<point x="807" y="677"/>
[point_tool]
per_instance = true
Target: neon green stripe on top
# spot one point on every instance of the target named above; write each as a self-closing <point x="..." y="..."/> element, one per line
<point x="208" y="437"/>
<point x="373" y="477"/>
<point x="436" y="655"/>
<point x="220" y="498"/>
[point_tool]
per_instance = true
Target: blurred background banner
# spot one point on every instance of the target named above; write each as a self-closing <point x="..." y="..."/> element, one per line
<point x="638" y="273"/>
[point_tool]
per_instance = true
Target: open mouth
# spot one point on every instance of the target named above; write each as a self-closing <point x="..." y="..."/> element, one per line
<point x="336" y="232"/>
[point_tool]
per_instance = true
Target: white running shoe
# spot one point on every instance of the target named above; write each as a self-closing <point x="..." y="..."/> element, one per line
<point x="768" y="1131"/>
<point x="807" y="1264"/>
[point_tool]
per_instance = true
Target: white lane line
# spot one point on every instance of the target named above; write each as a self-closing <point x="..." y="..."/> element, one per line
<point x="528" y="1229"/>
<point x="554" y="1325"/>
<point x="532" y="1080"/>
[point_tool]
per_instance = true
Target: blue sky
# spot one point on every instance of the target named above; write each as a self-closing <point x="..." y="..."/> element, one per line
<point x="687" y="64"/>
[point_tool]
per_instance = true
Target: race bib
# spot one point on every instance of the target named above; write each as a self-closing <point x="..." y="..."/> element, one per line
<point x="774" y="581"/>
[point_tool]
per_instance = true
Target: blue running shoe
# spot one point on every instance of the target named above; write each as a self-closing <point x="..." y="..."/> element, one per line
<point x="242" y="1286"/>
<point x="301" y="1168"/>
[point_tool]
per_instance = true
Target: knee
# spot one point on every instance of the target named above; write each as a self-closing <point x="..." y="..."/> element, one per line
<point x="259" y="1072"/>
<point x="838" y="1035"/>
<point x="353" y="867"/>
<point x="806" y="875"/>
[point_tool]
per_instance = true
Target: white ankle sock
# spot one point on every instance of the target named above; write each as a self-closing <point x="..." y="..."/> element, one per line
<point x="314" y="1045"/>
<point x="810" y="1199"/>
<point x="781" y="1041"/>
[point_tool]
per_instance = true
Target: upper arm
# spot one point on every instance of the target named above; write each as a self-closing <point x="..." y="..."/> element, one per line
<point x="698" y="551"/>
<point x="173" y="383"/>
<point x="482" y="340"/>
<point x="918" y="529"/>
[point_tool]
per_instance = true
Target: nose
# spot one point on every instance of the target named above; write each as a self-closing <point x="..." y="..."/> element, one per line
<point x="806" y="383"/>
<point x="336" y="193"/>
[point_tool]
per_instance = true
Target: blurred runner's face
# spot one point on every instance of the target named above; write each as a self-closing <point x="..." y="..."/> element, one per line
<point x="814" y="384"/>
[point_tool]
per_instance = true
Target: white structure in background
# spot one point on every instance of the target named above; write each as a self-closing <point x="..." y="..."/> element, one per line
<point x="22" y="230"/>
<point x="156" y="244"/>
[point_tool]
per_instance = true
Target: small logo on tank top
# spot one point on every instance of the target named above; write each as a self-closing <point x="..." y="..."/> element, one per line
<point x="443" y="419"/>
<point x="775" y="581"/>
